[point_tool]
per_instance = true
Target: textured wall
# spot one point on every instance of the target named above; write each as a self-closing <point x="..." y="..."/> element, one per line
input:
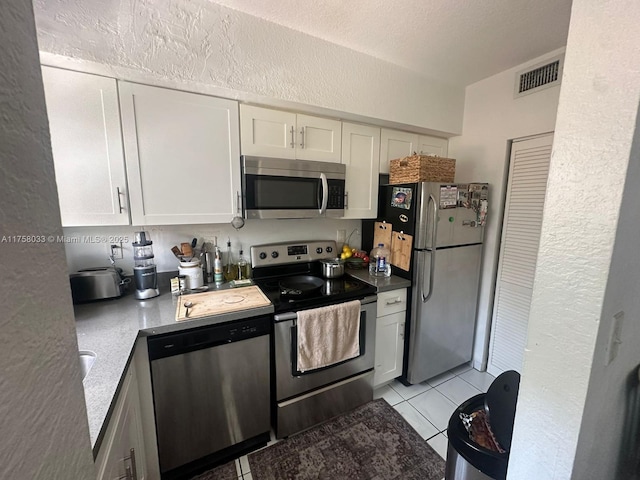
<point x="201" y="46"/>
<point x="492" y="117"/>
<point x="571" y="406"/>
<point x="44" y="429"/>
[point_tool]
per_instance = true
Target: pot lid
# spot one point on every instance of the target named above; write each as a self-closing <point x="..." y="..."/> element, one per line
<point x="500" y="406"/>
<point x="331" y="261"/>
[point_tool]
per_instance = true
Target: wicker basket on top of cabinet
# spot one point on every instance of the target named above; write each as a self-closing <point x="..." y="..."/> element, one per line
<point x="422" y="168"/>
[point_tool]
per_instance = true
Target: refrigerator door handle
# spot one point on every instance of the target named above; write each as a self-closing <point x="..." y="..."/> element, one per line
<point x="432" y="262"/>
<point x="432" y="253"/>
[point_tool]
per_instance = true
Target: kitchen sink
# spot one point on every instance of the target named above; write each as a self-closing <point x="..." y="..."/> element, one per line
<point x="87" y="357"/>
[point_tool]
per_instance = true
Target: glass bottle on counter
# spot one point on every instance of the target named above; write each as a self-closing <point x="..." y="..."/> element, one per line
<point x="230" y="268"/>
<point x="243" y="267"/>
<point x="217" y="267"/>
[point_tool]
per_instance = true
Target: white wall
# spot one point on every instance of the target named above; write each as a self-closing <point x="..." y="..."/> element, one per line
<point x="44" y="428"/>
<point x="201" y="46"/>
<point x="255" y="232"/>
<point x="492" y="117"/>
<point x="570" y="417"/>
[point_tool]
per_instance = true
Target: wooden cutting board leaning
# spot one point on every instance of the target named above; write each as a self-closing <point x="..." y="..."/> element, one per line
<point x="401" y="244"/>
<point x="382" y="234"/>
<point x="222" y="301"/>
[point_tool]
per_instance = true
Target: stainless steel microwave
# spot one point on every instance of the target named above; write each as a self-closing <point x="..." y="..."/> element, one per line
<point x="282" y="188"/>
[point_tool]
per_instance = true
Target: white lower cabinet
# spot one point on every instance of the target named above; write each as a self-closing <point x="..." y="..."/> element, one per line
<point x="390" y="322"/>
<point x="122" y="453"/>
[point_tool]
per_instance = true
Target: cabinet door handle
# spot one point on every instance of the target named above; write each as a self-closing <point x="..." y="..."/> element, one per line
<point x="132" y="470"/>
<point x="127" y="474"/>
<point x="293" y="143"/>
<point x="302" y="137"/>
<point x="396" y="301"/>
<point x="120" y="208"/>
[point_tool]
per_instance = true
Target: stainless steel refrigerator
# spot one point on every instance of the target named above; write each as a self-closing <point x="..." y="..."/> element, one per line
<point x="444" y="270"/>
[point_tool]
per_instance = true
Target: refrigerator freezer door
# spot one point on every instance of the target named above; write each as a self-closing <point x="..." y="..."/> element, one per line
<point x="442" y="328"/>
<point x="415" y="215"/>
<point x="454" y="225"/>
<point x="428" y="207"/>
<point x="463" y="231"/>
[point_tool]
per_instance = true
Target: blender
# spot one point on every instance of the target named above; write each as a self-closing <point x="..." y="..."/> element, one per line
<point x="144" y="269"/>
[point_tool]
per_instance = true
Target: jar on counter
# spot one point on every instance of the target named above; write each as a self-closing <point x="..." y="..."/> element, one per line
<point x="193" y="272"/>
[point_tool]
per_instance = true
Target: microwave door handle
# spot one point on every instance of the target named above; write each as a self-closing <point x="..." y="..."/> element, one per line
<point x="325" y="192"/>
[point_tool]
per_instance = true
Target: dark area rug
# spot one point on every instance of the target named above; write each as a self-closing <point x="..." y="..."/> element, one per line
<point x="371" y="442"/>
<point x="223" y="472"/>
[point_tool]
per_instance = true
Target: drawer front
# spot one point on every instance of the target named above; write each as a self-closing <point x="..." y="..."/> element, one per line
<point x="392" y="301"/>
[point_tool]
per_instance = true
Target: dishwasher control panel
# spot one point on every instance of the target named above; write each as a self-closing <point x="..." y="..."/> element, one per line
<point x="210" y="336"/>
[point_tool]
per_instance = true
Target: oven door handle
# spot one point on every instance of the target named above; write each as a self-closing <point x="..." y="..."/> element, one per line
<point x="325" y="193"/>
<point x="284" y="317"/>
<point x="287" y="316"/>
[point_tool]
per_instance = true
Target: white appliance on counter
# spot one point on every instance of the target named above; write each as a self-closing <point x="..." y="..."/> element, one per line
<point x="447" y="224"/>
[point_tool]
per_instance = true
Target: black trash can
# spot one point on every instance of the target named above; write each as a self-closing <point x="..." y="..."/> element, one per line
<point x="494" y="412"/>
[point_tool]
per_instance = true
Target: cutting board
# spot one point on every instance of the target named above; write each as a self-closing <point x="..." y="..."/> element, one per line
<point x="401" y="244"/>
<point x="221" y="301"/>
<point x="382" y="234"/>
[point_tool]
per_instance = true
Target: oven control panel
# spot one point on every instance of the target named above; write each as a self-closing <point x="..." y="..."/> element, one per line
<point x="292" y="252"/>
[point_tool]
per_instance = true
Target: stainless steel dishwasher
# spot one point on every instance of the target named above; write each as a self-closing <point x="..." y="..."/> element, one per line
<point x="211" y="394"/>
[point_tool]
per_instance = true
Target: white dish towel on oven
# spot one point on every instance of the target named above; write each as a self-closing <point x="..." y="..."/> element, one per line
<point x="328" y="335"/>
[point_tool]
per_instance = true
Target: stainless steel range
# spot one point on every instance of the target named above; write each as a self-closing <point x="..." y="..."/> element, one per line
<point x="290" y="274"/>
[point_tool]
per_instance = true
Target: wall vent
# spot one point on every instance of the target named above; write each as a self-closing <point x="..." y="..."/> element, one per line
<point x="539" y="77"/>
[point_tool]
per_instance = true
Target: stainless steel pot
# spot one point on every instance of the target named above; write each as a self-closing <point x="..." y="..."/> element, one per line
<point x="332" y="267"/>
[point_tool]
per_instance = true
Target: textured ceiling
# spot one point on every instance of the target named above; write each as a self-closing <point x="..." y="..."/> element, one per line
<point x="458" y="41"/>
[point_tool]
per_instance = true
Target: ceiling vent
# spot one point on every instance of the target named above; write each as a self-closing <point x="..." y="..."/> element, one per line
<point x="539" y="77"/>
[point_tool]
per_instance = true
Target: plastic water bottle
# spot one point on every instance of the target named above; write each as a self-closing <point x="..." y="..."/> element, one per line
<point x="379" y="265"/>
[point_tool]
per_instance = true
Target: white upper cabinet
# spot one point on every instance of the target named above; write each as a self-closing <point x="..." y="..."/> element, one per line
<point x="318" y="139"/>
<point x="267" y="133"/>
<point x="361" y="155"/>
<point x="432" y="146"/>
<point x="398" y="144"/>
<point x="395" y="144"/>
<point x="274" y="133"/>
<point x="183" y="155"/>
<point x="84" y="121"/>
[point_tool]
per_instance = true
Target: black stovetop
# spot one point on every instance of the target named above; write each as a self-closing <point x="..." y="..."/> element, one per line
<point x="332" y="291"/>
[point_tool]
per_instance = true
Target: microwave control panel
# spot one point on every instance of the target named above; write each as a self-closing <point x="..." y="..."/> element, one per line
<point x="336" y="194"/>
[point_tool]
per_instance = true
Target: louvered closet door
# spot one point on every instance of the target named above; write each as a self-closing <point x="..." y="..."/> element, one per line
<point x="527" y="184"/>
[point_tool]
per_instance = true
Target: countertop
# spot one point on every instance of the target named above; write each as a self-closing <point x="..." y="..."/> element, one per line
<point x="383" y="284"/>
<point x="110" y="328"/>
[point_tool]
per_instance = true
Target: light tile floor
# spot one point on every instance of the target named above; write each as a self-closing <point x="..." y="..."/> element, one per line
<point x="426" y="406"/>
